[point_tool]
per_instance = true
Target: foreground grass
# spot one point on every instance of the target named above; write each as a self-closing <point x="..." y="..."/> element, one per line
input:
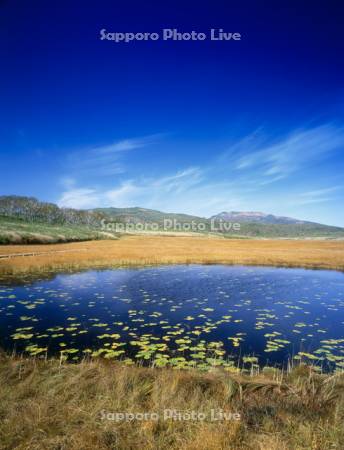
<point x="48" y="405"/>
<point x="143" y="250"/>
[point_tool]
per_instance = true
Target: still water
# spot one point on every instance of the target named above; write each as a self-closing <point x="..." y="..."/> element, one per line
<point x="180" y="316"/>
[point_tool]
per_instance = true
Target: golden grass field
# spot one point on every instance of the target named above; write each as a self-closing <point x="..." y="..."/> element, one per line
<point x="45" y="405"/>
<point x="141" y="250"/>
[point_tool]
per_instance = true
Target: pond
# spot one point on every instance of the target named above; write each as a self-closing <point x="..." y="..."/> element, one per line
<point x="180" y="316"/>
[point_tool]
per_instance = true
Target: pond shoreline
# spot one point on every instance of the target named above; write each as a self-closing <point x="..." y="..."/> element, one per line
<point x="64" y="405"/>
<point x="178" y="316"/>
<point x="32" y="276"/>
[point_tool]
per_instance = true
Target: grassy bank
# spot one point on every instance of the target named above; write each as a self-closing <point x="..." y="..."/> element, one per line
<point x="48" y="405"/>
<point x="142" y="250"/>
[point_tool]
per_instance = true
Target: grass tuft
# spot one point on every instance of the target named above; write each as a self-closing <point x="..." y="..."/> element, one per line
<point x="48" y="405"/>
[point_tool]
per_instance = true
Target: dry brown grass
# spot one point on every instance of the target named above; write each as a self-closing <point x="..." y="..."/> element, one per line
<point x="48" y="406"/>
<point x="141" y="250"/>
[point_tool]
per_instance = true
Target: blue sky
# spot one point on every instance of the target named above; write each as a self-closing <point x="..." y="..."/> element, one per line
<point x="193" y="127"/>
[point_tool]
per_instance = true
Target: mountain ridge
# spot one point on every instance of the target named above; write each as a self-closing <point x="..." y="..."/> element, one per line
<point x="26" y="219"/>
<point x="230" y="216"/>
<point x="257" y="216"/>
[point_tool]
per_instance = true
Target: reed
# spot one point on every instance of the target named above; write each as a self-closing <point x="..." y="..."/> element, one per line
<point x="48" y="404"/>
<point x="149" y="250"/>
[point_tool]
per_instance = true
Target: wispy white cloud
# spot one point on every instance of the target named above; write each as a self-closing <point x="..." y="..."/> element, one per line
<point x="317" y="196"/>
<point x="180" y="181"/>
<point x="106" y="160"/>
<point x="67" y="182"/>
<point x="183" y="191"/>
<point x="80" y="198"/>
<point x="154" y="191"/>
<point x="252" y="174"/>
<point x="299" y="149"/>
<point x="123" y="195"/>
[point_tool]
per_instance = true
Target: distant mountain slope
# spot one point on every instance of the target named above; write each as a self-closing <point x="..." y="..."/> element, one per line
<point x="289" y="230"/>
<point x="144" y="215"/>
<point x="252" y="224"/>
<point x="255" y="216"/>
<point x="26" y="219"/>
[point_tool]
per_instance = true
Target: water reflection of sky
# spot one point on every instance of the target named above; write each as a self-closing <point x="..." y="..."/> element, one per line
<point x="203" y="314"/>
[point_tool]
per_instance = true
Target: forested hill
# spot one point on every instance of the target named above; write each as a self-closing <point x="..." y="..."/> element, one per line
<point x="32" y="210"/>
<point x="28" y="220"/>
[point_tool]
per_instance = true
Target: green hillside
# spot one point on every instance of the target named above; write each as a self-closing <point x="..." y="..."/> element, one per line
<point x="18" y="231"/>
<point x="27" y="220"/>
<point x="306" y="230"/>
<point x="179" y="222"/>
<point x="143" y="215"/>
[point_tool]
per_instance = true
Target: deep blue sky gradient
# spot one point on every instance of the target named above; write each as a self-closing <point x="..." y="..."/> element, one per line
<point x="196" y="127"/>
